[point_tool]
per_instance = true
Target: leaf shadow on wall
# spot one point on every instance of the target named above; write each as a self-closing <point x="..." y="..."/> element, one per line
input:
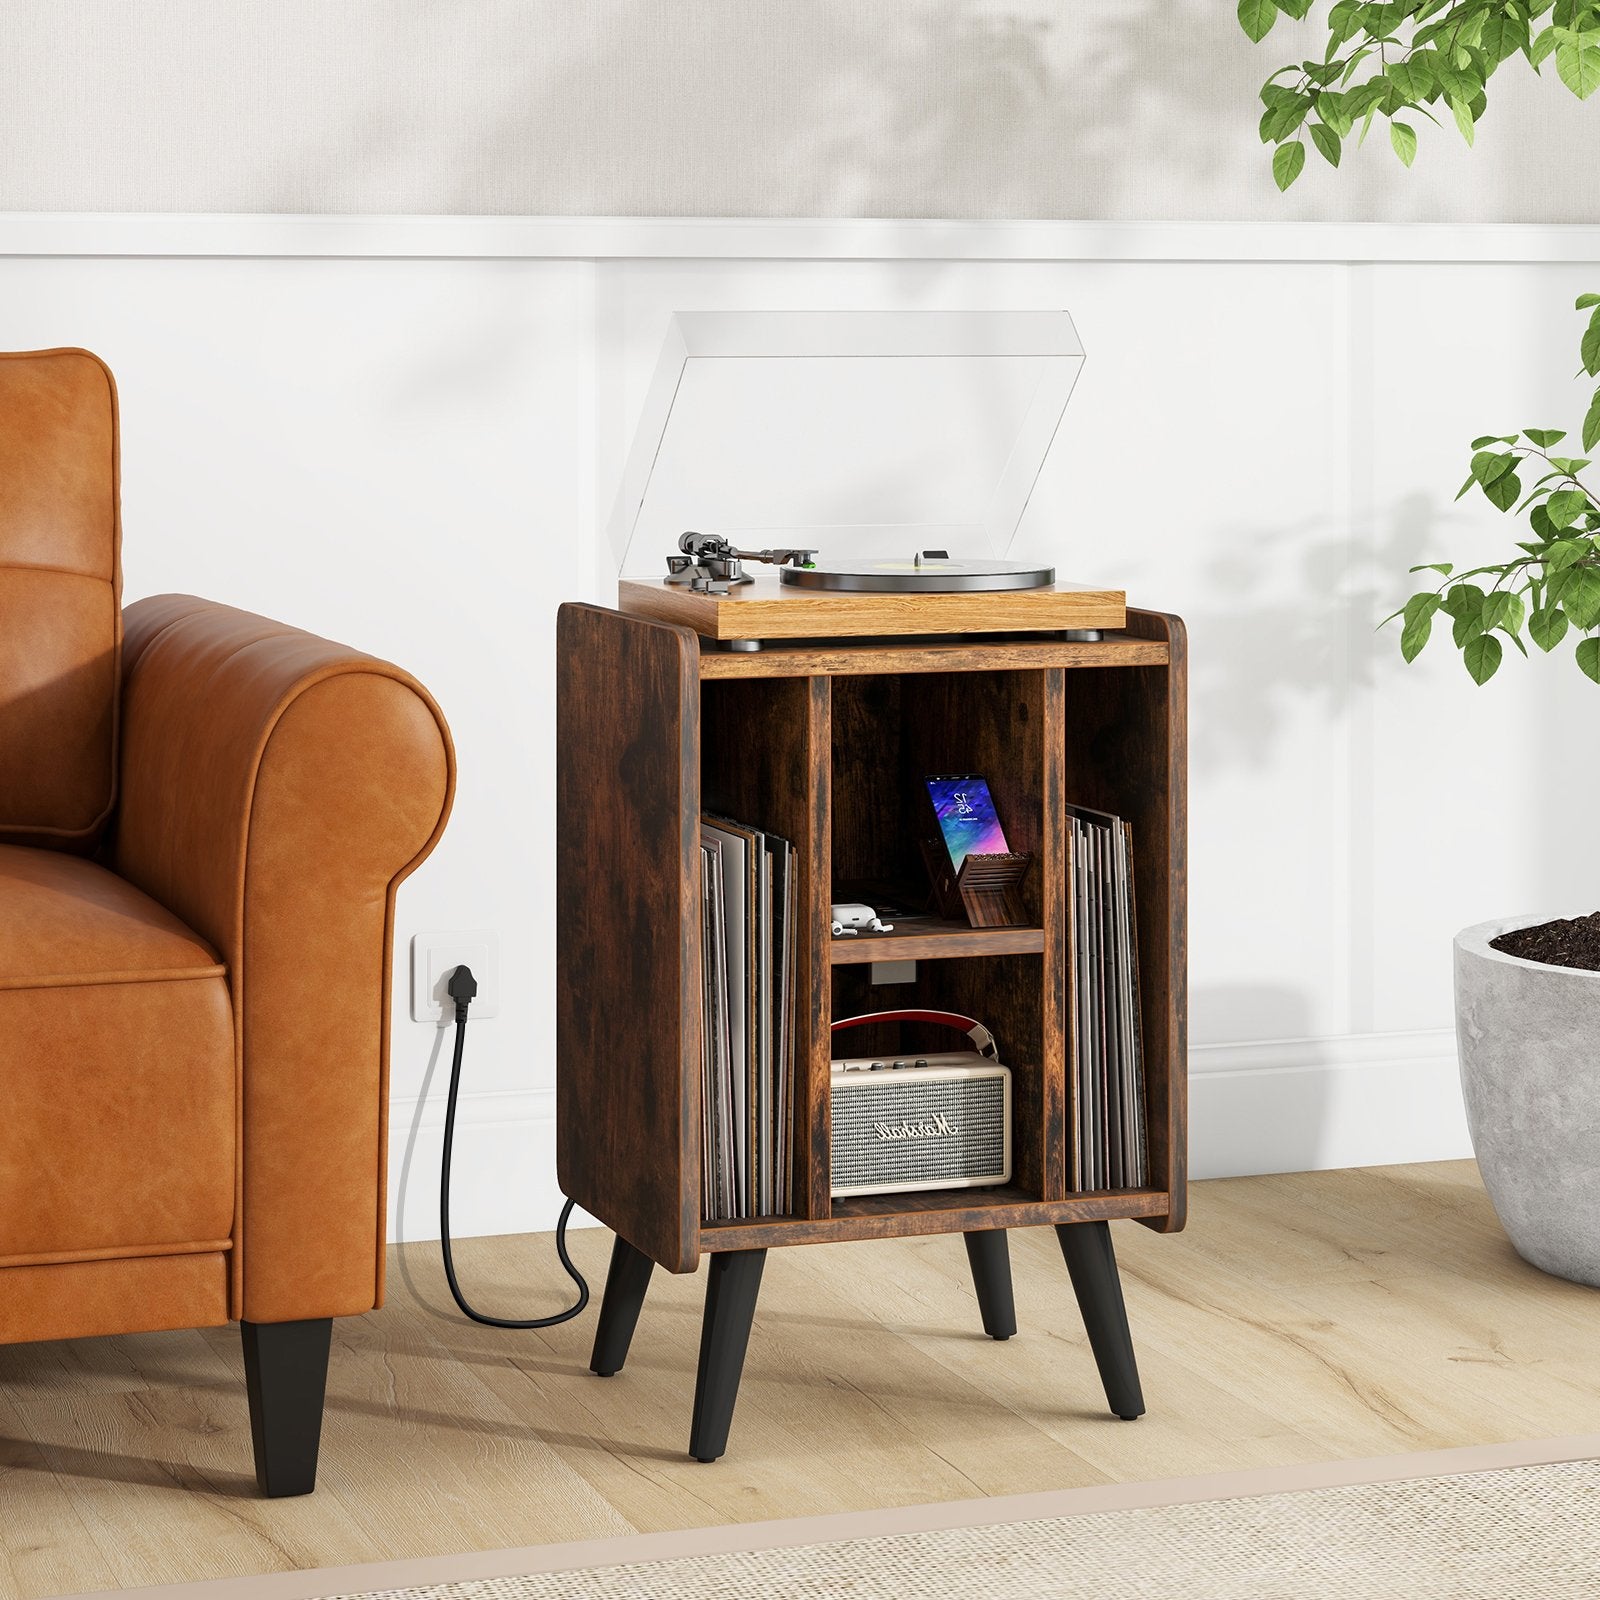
<point x="1285" y="632"/>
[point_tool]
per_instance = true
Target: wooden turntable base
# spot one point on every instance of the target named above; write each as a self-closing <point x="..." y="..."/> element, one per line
<point x="766" y="609"/>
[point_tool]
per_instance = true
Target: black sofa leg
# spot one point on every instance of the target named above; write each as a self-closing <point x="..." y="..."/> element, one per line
<point x="732" y="1286"/>
<point x="286" y="1377"/>
<point x="1092" y="1265"/>
<point x="626" y="1282"/>
<point x="989" y="1256"/>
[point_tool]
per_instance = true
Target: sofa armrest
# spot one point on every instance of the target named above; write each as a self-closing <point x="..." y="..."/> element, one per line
<point x="275" y="790"/>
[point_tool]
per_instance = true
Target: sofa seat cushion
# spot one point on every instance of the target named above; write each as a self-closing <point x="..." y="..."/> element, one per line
<point x="117" y="1069"/>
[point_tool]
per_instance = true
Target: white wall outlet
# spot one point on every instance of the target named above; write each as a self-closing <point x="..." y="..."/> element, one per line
<point x="434" y="956"/>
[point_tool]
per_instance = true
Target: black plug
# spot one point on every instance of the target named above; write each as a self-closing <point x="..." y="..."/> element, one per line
<point x="463" y="989"/>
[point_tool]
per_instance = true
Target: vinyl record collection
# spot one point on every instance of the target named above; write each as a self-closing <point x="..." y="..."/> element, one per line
<point x="1110" y="1144"/>
<point x="747" y="880"/>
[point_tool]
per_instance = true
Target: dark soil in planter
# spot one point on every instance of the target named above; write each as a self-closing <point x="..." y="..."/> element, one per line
<point x="1566" y="942"/>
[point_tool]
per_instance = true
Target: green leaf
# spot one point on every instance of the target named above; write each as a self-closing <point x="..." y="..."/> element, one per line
<point x="1547" y="627"/>
<point x="1580" y="596"/>
<point x="1458" y="82"/>
<point x="1467" y="128"/>
<point x="1446" y="567"/>
<point x="1344" y="22"/>
<point x="1504" y="492"/>
<point x="1591" y="345"/>
<point x="1465" y="629"/>
<point x="1493" y="438"/>
<point x="1589" y="658"/>
<point x="1327" y="141"/>
<point x="1563" y="553"/>
<point x="1591" y="423"/>
<point x="1404" y="139"/>
<point x="1544" y="437"/>
<point x="1463" y="600"/>
<point x="1567" y="465"/>
<point x="1503" y="35"/>
<point x="1285" y="112"/>
<point x="1578" y="65"/>
<point x="1539" y="521"/>
<point x="1287" y="162"/>
<point x="1413" y="79"/>
<point x="1503" y="610"/>
<point x="1541" y="47"/>
<point x="1565" y="506"/>
<point x="1482" y="657"/>
<point x="1256" y="17"/>
<point x="1584" y="301"/>
<point x="1332" y="110"/>
<point x="1419" y="624"/>
<point x="1487" y="465"/>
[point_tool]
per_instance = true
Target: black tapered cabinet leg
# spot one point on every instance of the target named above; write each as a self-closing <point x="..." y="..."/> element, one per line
<point x="626" y="1282"/>
<point x="733" y="1283"/>
<point x="1092" y="1264"/>
<point x="989" y="1256"/>
<point x="286" y="1377"/>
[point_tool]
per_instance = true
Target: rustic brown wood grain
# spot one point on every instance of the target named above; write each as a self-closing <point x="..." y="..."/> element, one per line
<point x="1126" y="752"/>
<point x="766" y="609"/>
<point x="859" y="657"/>
<point x="894" y="1216"/>
<point x="628" y="921"/>
<point x="938" y="940"/>
<point x="833" y="757"/>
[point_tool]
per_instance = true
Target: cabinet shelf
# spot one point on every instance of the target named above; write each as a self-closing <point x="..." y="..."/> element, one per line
<point x="897" y="1216"/>
<point x="934" y="939"/>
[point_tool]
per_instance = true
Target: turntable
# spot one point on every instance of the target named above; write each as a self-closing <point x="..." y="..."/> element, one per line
<point x="806" y="475"/>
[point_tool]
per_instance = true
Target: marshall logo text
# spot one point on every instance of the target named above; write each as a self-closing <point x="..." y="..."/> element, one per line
<point x="940" y="1127"/>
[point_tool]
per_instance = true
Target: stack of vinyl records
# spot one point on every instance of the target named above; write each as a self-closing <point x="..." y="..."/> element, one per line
<point x="748" y="946"/>
<point x="1110" y="1143"/>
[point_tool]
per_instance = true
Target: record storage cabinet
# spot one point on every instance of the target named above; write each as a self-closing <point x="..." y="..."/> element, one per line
<point x="826" y="745"/>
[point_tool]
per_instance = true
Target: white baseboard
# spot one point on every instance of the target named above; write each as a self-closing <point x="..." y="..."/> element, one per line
<point x="504" y="1167"/>
<point x="1308" y="1105"/>
<point x="1290" y="1105"/>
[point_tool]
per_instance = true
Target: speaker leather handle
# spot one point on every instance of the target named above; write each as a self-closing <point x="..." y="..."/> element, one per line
<point x="982" y="1039"/>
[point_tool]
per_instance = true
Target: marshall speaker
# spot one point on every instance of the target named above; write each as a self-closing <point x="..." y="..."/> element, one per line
<point x="921" y="1122"/>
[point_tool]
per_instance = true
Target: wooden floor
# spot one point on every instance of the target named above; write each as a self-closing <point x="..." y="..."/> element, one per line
<point x="1300" y="1318"/>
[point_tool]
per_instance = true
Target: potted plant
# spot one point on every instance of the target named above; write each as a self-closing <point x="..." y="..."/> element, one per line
<point x="1527" y="992"/>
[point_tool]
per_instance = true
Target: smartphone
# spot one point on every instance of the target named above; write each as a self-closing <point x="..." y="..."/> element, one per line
<point x="966" y="816"/>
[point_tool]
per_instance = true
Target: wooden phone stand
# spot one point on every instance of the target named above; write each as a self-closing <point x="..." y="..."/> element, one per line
<point x="986" y="893"/>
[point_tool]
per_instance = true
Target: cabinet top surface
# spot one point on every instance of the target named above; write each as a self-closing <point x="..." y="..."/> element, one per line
<point x="859" y="658"/>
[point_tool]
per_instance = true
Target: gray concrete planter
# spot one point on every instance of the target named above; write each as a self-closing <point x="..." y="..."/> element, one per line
<point x="1529" y="1037"/>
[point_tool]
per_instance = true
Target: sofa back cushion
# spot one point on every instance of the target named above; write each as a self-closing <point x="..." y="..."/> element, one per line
<point x="60" y="597"/>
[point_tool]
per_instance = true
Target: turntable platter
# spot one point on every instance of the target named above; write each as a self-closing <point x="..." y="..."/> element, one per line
<point x="928" y="573"/>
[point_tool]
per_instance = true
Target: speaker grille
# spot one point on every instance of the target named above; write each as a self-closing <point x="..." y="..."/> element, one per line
<point x="974" y="1108"/>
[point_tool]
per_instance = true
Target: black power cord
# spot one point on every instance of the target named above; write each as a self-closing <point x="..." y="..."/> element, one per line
<point x="463" y="989"/>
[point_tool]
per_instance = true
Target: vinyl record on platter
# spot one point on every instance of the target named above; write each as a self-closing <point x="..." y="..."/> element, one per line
<point x="928" y="573"/>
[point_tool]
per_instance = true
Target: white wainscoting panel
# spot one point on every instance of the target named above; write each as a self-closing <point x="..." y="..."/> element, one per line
<point x="405" y="433"/>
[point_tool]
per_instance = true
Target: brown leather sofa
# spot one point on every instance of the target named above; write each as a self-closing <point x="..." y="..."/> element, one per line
<point x="203" y="819"/>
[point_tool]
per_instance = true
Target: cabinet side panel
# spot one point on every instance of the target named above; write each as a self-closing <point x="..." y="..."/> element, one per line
<point x="627" y="829"/>
<point x="1127" y="752"/>
<point x="1054" y="1111"/>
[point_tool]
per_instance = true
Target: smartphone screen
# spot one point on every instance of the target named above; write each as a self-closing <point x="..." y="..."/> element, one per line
<point x="967" y="819"/>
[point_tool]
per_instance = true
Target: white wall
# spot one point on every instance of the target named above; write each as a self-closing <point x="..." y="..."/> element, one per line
<point x="896" y="108"/>
<point x="414" y="455"/>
